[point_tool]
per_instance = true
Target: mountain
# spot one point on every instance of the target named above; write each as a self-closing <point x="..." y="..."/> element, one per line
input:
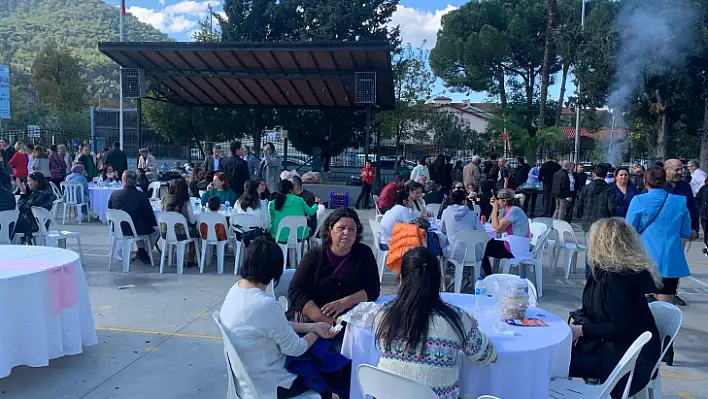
<point x="74" y="24"/>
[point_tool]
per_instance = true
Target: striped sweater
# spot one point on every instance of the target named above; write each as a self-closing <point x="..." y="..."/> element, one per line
<point x="438" y="368"/>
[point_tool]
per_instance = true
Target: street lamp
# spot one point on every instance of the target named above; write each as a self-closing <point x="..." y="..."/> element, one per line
<point x="577" y="90"/>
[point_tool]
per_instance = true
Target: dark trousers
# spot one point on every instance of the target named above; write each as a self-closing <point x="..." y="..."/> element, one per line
<point x="365" y="194"/>
<point x="569" y="211"/>
<point x="495" y="249"/>
<point x="704" y="223"/>
<point x="532" y="199"/>
<point x="549" y="203"/>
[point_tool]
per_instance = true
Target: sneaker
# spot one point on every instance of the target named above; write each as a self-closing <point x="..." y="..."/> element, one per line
<point x="679" y="302"/>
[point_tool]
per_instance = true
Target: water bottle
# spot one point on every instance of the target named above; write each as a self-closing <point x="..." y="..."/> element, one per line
<point x="480" y="294"/>
<point x="227" y="205"/>
<point x="524" y="285"/>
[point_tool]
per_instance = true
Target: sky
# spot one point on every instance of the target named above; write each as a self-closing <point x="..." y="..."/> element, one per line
<point x="419" y="21"/>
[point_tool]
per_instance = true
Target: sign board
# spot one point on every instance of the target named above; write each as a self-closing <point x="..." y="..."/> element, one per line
<point x="4" y="92"/>
<point x="33" y="131"/>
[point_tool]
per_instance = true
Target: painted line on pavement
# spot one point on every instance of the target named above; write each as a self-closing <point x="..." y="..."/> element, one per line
<point x="681" y="376"/>
<point x="149" y="332"/>
<point x="697" y="281"/>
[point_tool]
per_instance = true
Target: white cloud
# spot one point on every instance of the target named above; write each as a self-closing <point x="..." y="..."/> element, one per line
<point x="190" y="7"/>
<point x="162" y="2"/>
<point x="419" y="26"/>
<point x="175" y="18"/>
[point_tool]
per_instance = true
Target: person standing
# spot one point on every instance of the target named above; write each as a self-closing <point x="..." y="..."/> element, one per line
<point x="421" y="170"/>
<point x="19" y="162"/>
<point x="457" y="173"/>
<point x="597" y="201"/>
<point x="472" y="173"/>
<point x="57" y="166"/>
<point x="502" y="176"/>
<point x="545" y="175"/>
<point x="148" y="163"/>
<point x="702" y="199"/>
<point x="309" y="199"/>
<point x="270" y="167"/>
<point x="698" y="176"/>
<point x="522" y="172"/>
<point x="624" y="191"/>
<point x="582" y="177"/>
<point x="116" y="158"/>
<point x="68" y="160"/>
<point x="212" y="163"/>
<point x="402" y="170"/>
<point x="9" y="151"/>
<point x="40" y="162"/>
<point x="638" y="176"/>
<point x="367" y="180"/>
<point x="252" y="161"/>
<point x="563" y="190"/>
<point x="235" y="168"/>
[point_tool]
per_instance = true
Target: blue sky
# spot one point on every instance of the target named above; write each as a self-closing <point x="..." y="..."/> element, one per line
<point x="419" y="21"/>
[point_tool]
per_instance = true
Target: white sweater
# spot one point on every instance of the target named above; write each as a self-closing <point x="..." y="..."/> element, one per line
<point x="261" y="213"/>
<point x="257" y="327"/>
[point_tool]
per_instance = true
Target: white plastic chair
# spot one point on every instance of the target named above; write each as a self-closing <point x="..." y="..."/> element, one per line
<point x="564" y="388"/>
<point x="379" y="215"/>
<point x="315" y="239"/>
<point x="280" y="293"/>
<point x="668" y="320"/>
<point x="477" y="209"/>
<point x="294" y="224"/>
<point x="487" y="397"/>
<point x="155" y="187"/>
<point x="50" y="236"/>
<point x="236" y="371"/>
<point x="536" y="261"/>
<point x="382" y="384"/>
<point x="171" y="220"/>
<point x="505" y="279"/>
<point x="380" y="254"/>
<point x="212" y="219"/>
<point x="552" y="242"/>
<point x="74" y="197"/>
<point x="115" y="219"/>
<point x="8" y="221"/>
<point x="571" y="247"/>
<point x="433" y="208"/>
<point x="241" y="222"/>
<point x="468" y="239"/>
<point x="55" y="190"/>
<point x="537" y="229"/>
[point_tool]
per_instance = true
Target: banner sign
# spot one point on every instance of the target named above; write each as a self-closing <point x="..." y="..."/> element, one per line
<point x="4" y="92"/>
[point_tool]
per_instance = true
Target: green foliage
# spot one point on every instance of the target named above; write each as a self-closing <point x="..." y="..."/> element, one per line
<point x="449" y="131"/>
<point x="334" y="129"/>
<point x="521" y="140"/>
<point x="56" y="77"/>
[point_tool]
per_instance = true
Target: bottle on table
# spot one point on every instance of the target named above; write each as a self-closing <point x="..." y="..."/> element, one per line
<point x="480" y="294"/>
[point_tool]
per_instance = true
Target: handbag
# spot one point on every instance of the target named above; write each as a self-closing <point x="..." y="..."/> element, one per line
<point x="584" y="344"/>
<point x="641" y="231"/>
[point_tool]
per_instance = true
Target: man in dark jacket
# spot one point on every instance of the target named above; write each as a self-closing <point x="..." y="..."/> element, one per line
<point x="522" y="172"/>
<point x="564" y="190"/>
<point x="136" y="204"/>
<point x="117" y="158"/>
<point x="235" y="168"/>
<point x="597" y="201"/>
<point x="582" y="177"/>
<point x="545" y="175"/>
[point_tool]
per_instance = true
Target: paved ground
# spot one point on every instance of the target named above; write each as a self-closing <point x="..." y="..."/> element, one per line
<point x="157" y="338"/>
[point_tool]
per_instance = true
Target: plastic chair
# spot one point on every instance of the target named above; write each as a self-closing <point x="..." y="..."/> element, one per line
<point x="8" y="221"/>
<point x="477" y="209"/>
<point x="551" y="243"/>
<point x="55" y="190"/>
<point x="571" y="247"/>
<point x="240" y="223"/>
<point x="504" y="279"/>
<point x="433" y="208"/>
<point x="294" y="224"/>
<point x="668" y="320"/>
<point x="537" y="229"/>
<point x="536" y="262"/>
<point x="487" y="397"/>
<point x="379" y="252"/>
<point x="382" y="384"/>
<point x="155" y="187"/>
<point x="564" y="388"/>
<point x="212" y="219"/>
<point x="52" y="237"/>
<point x="469" y="239"/>
<point x="379" y="215"/>
<point x="171" y="220"/>
<point x="235" y="369"/>
<point x="316" y="236"/>
<point x="115" y="219"/>
<point x="280" y="293"/>
<point x="74" y="197"/>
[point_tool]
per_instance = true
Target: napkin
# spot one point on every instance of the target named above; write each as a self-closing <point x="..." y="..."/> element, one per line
<point x="362" y="315"/>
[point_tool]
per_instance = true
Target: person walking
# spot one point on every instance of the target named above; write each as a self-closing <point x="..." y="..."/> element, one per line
<point x="367" y="180"/>
<point x="564" y="190"/>
<point x="545" y="175"/>
<point x="698" y="176"/>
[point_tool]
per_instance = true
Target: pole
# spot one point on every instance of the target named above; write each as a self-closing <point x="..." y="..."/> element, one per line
<point x="612" y="134"/>
<point x="139" y="115"/>
<point x="577" y="90"/>
<point x="368" y="132"/>
<point x="92" y="117"/>
<point x="120" y="83"/>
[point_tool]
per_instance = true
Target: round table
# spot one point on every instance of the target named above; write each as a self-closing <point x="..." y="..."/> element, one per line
<point x="98" y="198"/>
<point x="44" y="306"/>
<point x="526" y="363"/>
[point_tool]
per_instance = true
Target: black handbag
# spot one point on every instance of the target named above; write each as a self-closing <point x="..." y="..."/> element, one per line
<point x="584" y="344"/>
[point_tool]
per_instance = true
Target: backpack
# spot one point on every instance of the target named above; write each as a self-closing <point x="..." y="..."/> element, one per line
<point x="434" y="242"/>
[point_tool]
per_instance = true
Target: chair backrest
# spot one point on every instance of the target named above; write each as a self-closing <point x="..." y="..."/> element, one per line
<point x="537" y="253"/>
<point x="8" y="221"/>
<point x="668" y="319"/>
<point x="155" y="188"/>
<point x="55" y="190"/>
<point x="468" y="240"/>
<point x="294" y="224"/>
<point x="244" y="222"/>
<point x="171" y="220"/>
<point x="115" y="219"/>
<point x="73" y="193"/>
<point x="211" y="219"/>
<point x="320" y="212"/>
<point x="376" y="232"/>
<point x="376" y="204"/>
<point x="477" y="209"/>
<point x="195" y="202"/>
<point x="433" y="208"/>
<point x="236" y="370"/>
<point x="382" y="384"/>
<point x="537" y="228"/>
<point x="504" y="279"/>
<point x="564" y="228"/>
<point x="624" y="367"/>
<point x="487" y="397"/>
<point x="42" y="216"/>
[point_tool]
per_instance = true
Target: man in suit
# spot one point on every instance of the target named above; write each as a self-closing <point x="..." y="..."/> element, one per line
<point x="235" y="168"/>
<point x="545" y="175"/>
<point x="582" y="177"/>
<point x="136" y="204"/>
<point x="564" y="189"/>
<point x="212" y="163"/>
<point x="117" y="158"/>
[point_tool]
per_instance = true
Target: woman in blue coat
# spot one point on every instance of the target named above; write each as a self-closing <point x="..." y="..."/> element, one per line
<point x="624" y="191"/>
<point x="662" y="220"/>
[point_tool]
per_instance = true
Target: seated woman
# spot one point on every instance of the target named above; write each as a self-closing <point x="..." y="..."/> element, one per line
<point x="219" y="187"/>
<point x="250" y="203"/>
<point x="284" y="204"/>
<point x="434" y="193"/>
<point x="143" y="183"/>
<point x="258" y="329"/>
<point x="615" y="306"/>
<point x="514" y="223"/>
<point x="197" y="182"/>
<point x="263" y="191"/>
<point x="400" y="213"/>
<point x="458" y="217"/>
<point x="337" y="275"/>
<point x="77" y="176"/>
<point x="177" y="200"/>
<point x="108" y="174"/>
<point x="415" y="196"/>
<point x="410" y="326"/>
<point x="36" y="192"/>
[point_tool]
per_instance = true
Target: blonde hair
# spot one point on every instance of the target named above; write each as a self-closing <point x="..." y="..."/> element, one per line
<point x="614" y="246"/>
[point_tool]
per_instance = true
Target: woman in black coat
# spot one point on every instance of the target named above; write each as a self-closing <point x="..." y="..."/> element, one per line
<point x="38" y="193"/>
<point x="615" y="308"/>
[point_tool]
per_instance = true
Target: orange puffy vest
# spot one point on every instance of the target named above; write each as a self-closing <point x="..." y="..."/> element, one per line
<point x="403" y="238"/>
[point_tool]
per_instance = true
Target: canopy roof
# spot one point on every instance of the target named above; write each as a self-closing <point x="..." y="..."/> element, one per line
<point x="296" y="74"/>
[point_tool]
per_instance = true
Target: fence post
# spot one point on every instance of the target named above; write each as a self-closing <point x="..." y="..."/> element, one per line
<point x="92" y="116"/>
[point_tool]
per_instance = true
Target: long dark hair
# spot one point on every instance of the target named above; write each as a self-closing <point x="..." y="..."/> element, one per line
<point x="439" y="163"/>
<point x="250" y="198"/>
<point x="266" y="194"/>
<point x="406" y="319"/>
<point x="285" y="187"/>
<point x="178" y="195"/>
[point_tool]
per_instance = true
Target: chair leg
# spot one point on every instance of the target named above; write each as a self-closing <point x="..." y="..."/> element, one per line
<point x="298" y="255"/>
<point x="284" y="248"/>
<point x="148" y="249"/>
<point x="538" y="273"/>
<point x="506" y="266"/>
<point x="181" y="247"/>
<point x="458" y="277"/>
<point x="127" y="246"/>
<point x="163" y="255"/>
<point x="169" y="256"/>
<point x="111" y="250"/>
<point x="196" y="251"/>
<point x="201" y="261"/>
<point x="221" y="248"/>
<point x="566" y="266"/>
<point x="81" y="250"/>
<point x="237" y="255"/>
<point x="79" y="215"/>
<point x="63" y="219"/>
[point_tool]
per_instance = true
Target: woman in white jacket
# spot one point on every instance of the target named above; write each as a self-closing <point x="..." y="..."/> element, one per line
<point x="250" y="203"/>
<point x="420" y="171"/>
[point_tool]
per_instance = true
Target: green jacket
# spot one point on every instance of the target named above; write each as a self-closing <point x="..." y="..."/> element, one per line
<point x="402" y="171"/>
<point x="226" y="195"/>
<point x="294" y="206"/>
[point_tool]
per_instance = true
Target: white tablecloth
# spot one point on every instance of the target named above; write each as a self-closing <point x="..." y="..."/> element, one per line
<point x="526" y="363"/>
<point x="43" y="315"/>
<point x="99" y="196"/>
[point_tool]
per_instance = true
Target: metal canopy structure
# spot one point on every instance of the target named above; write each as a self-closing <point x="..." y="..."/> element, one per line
<point x="296" y="75"/>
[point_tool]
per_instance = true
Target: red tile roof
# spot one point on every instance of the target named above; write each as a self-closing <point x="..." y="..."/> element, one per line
<point x="606" y="132"/>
